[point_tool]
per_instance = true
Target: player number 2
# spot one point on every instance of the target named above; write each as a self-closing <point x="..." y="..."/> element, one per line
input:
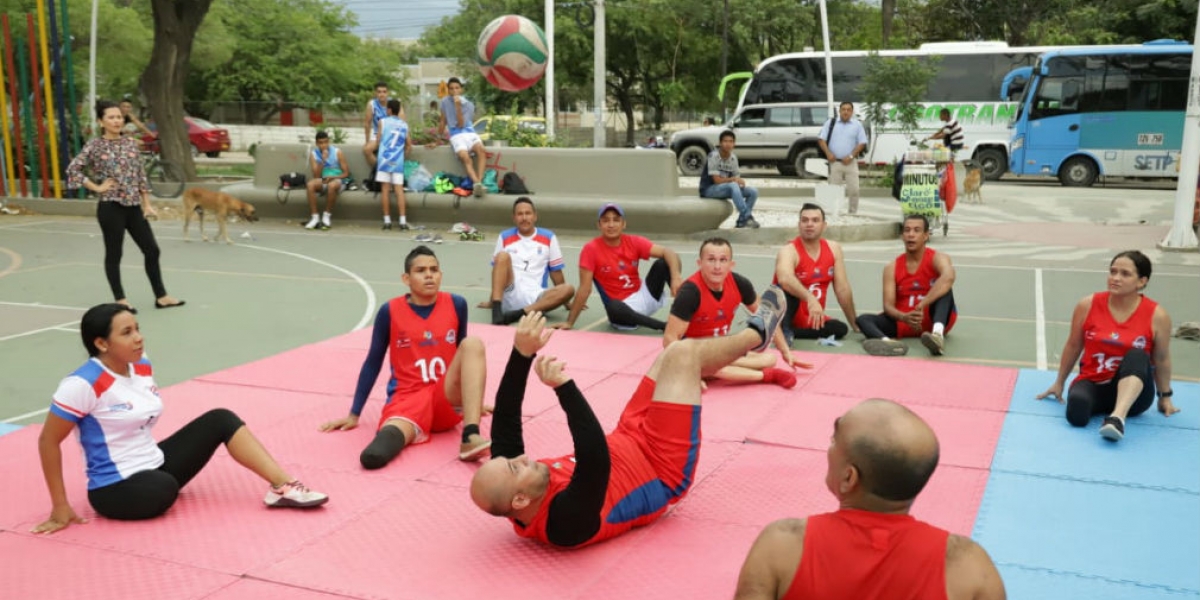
<point x="626" y="282"/>
<point x="431" y="370"/>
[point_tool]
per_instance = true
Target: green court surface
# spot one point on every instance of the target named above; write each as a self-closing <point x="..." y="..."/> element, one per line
<point x="286" y="287"/>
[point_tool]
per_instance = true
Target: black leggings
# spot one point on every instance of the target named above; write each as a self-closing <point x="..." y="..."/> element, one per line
<point x="832" y="327"/>
<point x="881" y="325"/>
<point x="1087" y="398"/>
<point x="148" y="494"/>
<point x="115" y="220"/>
<point x="620" y="313"/>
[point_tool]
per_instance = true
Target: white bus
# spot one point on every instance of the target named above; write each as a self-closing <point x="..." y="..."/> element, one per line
<point x="969" y="79"/>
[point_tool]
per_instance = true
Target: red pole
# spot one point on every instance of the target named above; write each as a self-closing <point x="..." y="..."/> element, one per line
<point x="16" y="113"/>
<point x="47" y="187"/>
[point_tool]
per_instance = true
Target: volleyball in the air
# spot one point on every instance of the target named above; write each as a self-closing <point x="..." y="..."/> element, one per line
<point x="512" y="53"/>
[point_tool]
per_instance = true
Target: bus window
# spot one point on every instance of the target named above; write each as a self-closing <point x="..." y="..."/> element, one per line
<point x="1056" y="96"/>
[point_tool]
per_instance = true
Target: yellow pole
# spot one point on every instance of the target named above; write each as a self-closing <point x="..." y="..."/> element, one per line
<point x="9" y="158"/>
<point x="47" y="78"/>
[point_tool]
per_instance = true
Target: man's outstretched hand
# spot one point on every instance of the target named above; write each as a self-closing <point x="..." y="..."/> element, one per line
<point x="550" y="370"/>
<point x="532" y="334"/>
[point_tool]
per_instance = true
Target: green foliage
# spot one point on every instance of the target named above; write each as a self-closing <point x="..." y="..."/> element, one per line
<point x="337" y="135"/>
<point x="900" y="82"/>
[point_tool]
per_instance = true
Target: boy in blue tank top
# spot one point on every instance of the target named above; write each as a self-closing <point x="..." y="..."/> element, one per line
<point x="328" y="167"/>
<point x="394" y="143"/>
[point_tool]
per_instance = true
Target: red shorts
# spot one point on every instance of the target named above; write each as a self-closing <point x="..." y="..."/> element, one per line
<point x="903" y="330"/>
<point x="668" y="435"/>
<point x="427" y="409"/>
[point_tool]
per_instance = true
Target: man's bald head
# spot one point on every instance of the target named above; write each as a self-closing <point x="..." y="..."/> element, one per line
<point x="893" y="449"/>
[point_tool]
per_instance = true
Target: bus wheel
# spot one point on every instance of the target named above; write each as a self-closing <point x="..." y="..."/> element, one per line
<point x="691" y="160"/>
<point x="992" y="162"/>
<point x="1078" y="171"/>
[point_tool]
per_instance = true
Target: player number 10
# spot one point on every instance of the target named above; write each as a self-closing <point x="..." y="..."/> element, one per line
<point x="431" y="370"/>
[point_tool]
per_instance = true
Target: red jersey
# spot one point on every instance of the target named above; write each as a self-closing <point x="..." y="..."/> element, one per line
<point x="861" y="555"/>
<point x="615" y="270"/>
<point x="911" y="288"/>
<point x="421" y="349"/>
<point x="626" y="504"/>
<point x="713" y="317"/>
<point x="1105" y="341"/>
<point x="815" y="274"/>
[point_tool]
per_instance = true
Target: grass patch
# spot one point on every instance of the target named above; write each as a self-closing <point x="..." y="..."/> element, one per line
<point x="225" y="170"/>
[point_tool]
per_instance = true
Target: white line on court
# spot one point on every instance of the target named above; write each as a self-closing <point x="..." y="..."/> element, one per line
<point x="40" y="305"/>
<point x="1039" y="310"/>
<point x="50" y="328"/>
<point x="32" y="413"/>
<point x="31" y="223"/>
<point x="370" y="310"/>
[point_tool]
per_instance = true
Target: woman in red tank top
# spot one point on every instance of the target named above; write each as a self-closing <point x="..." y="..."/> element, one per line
<point x="1121" y="340"/>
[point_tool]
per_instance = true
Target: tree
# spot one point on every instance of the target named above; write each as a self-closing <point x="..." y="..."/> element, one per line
<point x="901" y="82"/>
<point x="175" y="26"/>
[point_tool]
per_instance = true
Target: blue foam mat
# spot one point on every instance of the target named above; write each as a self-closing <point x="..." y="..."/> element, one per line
<point x="1156" y="457"/>
<point x="1021" y="583"/>
<point x="6" y="428"/>
<point x="1118" y="533"/>
<point x="1031" y="382"/>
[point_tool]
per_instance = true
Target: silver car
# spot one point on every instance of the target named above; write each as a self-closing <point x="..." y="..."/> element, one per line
<point x="782" y="136"/>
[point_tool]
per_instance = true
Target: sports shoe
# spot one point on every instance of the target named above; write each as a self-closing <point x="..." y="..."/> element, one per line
<point x="751" y="223"/>
<point x="294" y="495"/>
<point x="313" y="222"/>
<point x="880" y="347"/>
<point x="326" y="222"/>
<point x="771" y="306"/>
<point x="620" y="327"/>
<point x="437" y="239"/>
<point x="423" y="237"/>
<point x="935" y="342"/>
<point x="404" y="226"/>
<point x="478" y="189"/>
<point x="475" y="449"/>
<point x="387" y="226"/>
<point x="1113" y="429"/>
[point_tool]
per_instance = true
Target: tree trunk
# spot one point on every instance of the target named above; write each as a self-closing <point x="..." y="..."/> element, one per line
<point x="888" y="9"/>
<point x="175" y="25"/>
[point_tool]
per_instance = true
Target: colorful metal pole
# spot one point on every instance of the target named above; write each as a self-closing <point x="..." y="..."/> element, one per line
<point x="48" y="91"/>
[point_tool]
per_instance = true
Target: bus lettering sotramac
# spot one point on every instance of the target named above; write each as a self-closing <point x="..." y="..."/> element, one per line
<point x="970" y="76"/>
<point x="1093" y="112"/>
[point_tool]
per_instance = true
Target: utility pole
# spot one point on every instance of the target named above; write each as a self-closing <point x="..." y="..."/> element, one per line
<point x="1181" y="236"/>
<point x="724" y="55"/>
<point x="599" y="74"/>
<point x="551" y="113"/>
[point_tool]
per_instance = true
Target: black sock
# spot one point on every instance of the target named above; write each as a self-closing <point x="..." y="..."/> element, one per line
<point x="468" y="431"/>
<point x="513" y="316"/>
<point x="386" y="446"/>
<point x="497" y="313"/>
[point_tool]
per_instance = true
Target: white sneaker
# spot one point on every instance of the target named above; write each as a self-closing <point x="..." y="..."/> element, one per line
<point x="326" y="221"/>
<point x="934" y="342"/>
<point x="294" y="495"/>
<point x="313" y="222"/>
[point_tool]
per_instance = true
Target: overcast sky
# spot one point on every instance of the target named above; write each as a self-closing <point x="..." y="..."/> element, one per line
<point x="401" y="20"/>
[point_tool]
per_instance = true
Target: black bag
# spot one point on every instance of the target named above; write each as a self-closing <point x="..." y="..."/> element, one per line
<point x="291" y="180"/>
<point x="897" y="179"/>
<point x="513" y="184"/>
<point x="370" y="184"/>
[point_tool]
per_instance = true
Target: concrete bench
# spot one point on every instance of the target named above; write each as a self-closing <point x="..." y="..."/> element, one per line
<point x="567" y="186"/>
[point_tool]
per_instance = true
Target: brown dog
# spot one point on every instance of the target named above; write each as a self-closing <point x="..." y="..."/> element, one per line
<point x="971" y="185"/>
<point x="220" y="204"/>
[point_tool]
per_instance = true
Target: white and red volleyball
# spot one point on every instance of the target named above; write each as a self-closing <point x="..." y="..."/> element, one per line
<point x="512" y="53"/>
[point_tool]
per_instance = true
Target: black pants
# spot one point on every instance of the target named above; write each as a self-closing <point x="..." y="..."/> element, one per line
<point x="148" y="494"/>
<point x="832" y="327"/>
<point x="115" y="220"/>
<point x="1087" y="398"/>
<point x="881" y="325"/>
<point x="620" y="313"/>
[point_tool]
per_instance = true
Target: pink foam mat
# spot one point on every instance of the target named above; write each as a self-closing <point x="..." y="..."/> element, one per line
<point x="764" y="483"/>
<point x="314" y="368"/>
<point x="916" y="382"/>
<point x="47" y="569"/>
<point x="967" y="438"/>
<point x="257" y="407"/>
<point x="420" y="545"/>
<point x="253" y="589"/>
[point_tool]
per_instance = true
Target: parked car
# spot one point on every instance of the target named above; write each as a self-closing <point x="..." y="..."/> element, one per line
<point x="782" y="136"/>
<point x="205" y="138"/>
<point x="489" y="124"/>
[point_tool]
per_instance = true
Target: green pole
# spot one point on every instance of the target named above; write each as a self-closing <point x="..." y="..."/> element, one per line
<point x="27" y="120"/>
<point x="72" y="109"/>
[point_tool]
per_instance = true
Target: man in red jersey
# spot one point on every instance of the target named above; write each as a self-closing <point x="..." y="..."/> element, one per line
<point x="611" y="260"/>
<point x="705" y="307"/>
<point x="437" y="372"/>
<point x="805" y="268"/>
<point x="880" y="457"/>
<point x="917" y="297"/>
<point x="616" y="482"/>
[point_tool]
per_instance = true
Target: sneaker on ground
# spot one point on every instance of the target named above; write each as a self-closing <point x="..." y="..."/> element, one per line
<point x="387" y="226"/>
<point x="423" y="237"/>
<point x="771" y="306"/>
<point x="880" y="347"/>
<point x="474" y="450"/>
<point x="405" y="226"/>
<point x="313" y="222"/>
<point x="751" y="223"/>
<point x="325" y="226"/>
<point x="294" y="495"/>
<point x="620" y="327"/>
<point x="437" y="239"/>
<point x="935" y="342"/>
<point x="479" y="190"/>
<point x="1112" y="429"/>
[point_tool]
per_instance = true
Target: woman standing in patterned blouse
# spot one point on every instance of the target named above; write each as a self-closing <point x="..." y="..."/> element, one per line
<point x="110" y="167"/>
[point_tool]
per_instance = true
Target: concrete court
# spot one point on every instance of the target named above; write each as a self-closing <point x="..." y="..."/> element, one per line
<point x="287" y="287"/>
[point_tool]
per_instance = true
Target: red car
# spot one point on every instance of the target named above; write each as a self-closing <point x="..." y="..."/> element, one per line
<point x="206" y="138"/>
